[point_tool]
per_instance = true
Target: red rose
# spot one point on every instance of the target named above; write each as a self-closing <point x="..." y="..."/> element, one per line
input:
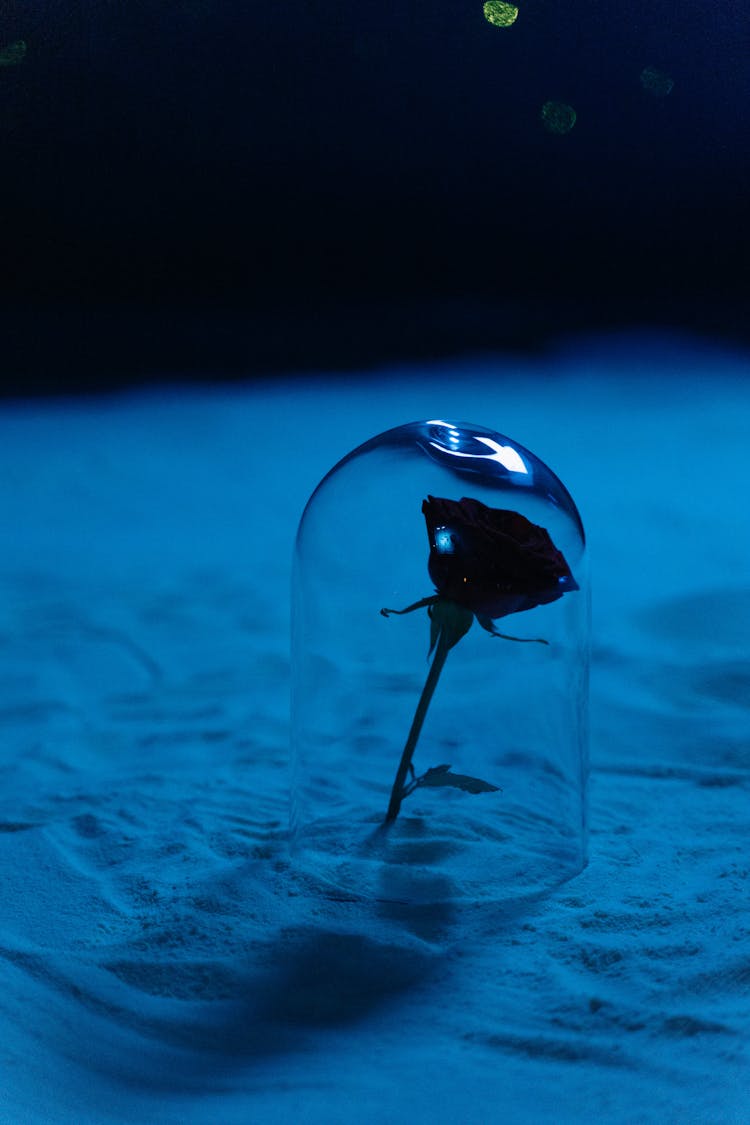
<point x="490" y="560"/>
<point x="485" y="563"/>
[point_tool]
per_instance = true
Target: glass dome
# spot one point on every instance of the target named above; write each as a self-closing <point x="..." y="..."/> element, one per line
<point x="440" y="650"/>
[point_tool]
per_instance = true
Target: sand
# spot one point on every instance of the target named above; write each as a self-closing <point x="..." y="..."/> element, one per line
<point x="162" y="962"/>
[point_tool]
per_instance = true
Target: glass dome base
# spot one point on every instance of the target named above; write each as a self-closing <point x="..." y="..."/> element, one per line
<point x="419" y="862"/>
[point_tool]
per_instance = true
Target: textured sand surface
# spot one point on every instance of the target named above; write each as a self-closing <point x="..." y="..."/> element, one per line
<point x="161" y="962"/>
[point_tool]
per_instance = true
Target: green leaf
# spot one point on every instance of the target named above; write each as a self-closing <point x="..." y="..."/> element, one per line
<point x="441" y="776"/>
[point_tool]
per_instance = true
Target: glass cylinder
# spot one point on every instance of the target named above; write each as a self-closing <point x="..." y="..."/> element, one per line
<point x="440" y="652"/>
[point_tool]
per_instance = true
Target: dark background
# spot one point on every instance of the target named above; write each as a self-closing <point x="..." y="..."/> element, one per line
<point x="215" y="189"/>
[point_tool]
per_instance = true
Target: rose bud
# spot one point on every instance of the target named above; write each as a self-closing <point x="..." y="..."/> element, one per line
<point x="492" y="561"/>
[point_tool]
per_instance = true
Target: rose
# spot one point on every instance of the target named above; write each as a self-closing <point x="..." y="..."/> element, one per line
<point x="485" y="563"/>
<point x="490" y="560"/>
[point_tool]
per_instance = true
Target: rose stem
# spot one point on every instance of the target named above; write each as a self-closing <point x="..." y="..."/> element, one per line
<point x="438" y="660"/>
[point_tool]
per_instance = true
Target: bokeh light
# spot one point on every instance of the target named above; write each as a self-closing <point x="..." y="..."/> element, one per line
<point x="656" y="82"/>
<point x="557" y="117"/>
<point x="13" y="53"/>
<point x="500" y="14"/>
